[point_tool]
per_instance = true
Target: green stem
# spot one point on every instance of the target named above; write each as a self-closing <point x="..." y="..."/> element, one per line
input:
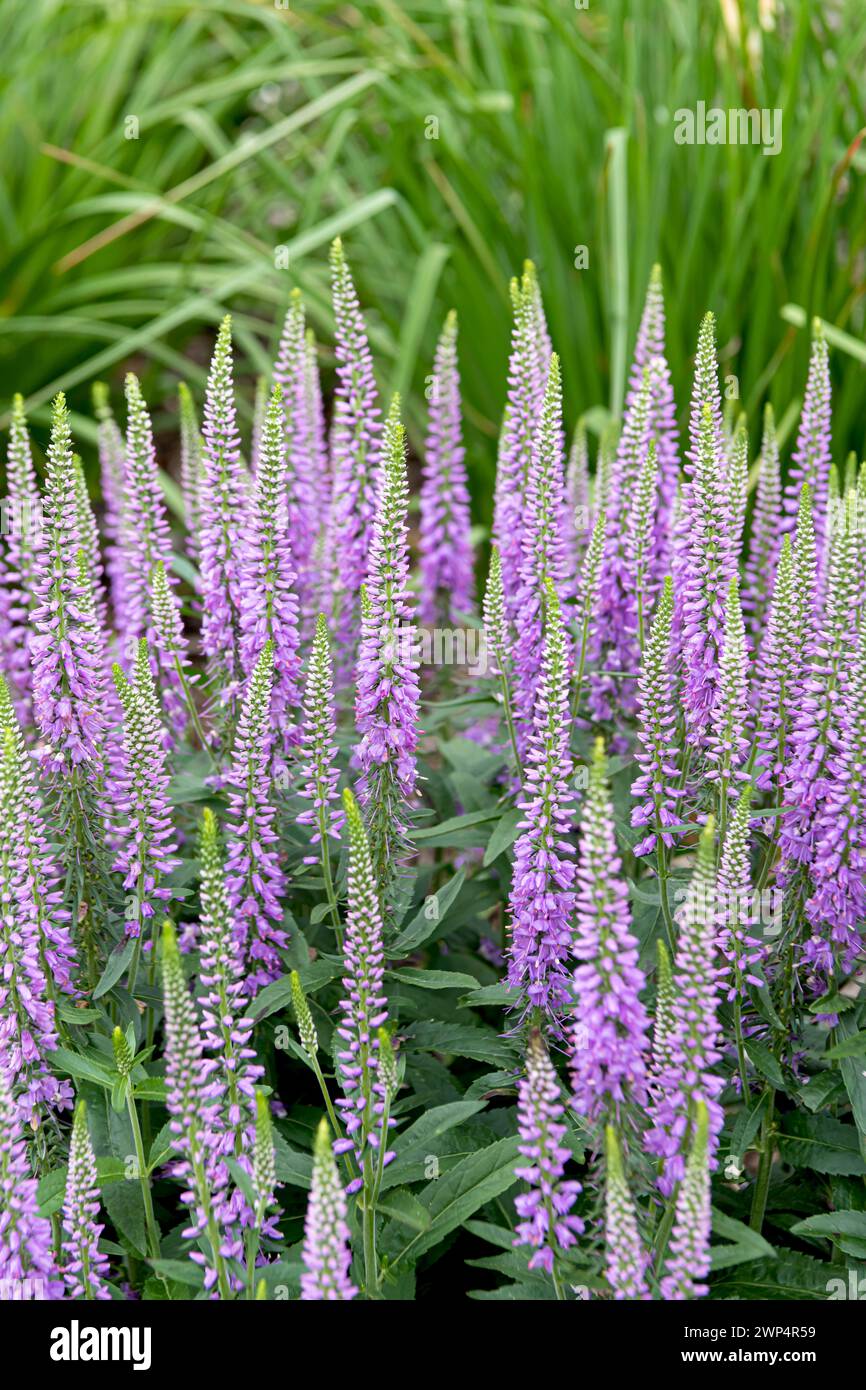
<point x="150" y="1225"/>
<point x="662" y="863"/>
<point x="762" y="1186"/>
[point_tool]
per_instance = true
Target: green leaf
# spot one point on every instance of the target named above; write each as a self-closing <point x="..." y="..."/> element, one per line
<point x="463" y="1040"/>
<point x="747" y="1244"/>
<point x="762" y="1058"/>
<point x="125" y="1206"/>
<point x="832" y="1223"/>
<point x="428" y="919"/>
<point x="292" y="1167"/>
<point x="151" y="1088"/>
<point x="84" y="1068"/>
<point x="423" y="1139"/>
<point x="115" y="966"/>
<point x="182" y="1271"/>
<point x="433" y="979"/>
<point x="853" y="1046"/>
<point x="498" y="994"/>
<point x="822" y="1144"/>
<point x="161" y="1149"/>
<point x="791" y="1276"/>
<point x="460" y="1192"/>
<point x="854" y="1077"/>
<point x="404" y="1208"/>
<point x="503" y="836"/>
<point x="460" y="832"/>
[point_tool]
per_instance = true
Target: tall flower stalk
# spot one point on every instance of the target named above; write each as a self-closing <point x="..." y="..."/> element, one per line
<point x="326" y="1253"/>
<point x="626" y="1257"/>
<point x="542" y="889"/>
<point x="85" y="1269"/>
<point x="547" y="1224"/>
<point x="193" y="1098"/>
<point x="254" y="878"/>
<point x="355" y="454"/>
<point x="148" y="850"/>
<point x="688" y="1260"/>
<point x="386" y="683"/>
<point x="318" y="764"/>
<point x="221" y="508"/>
<point x="609" y="1037"/>
<point x="364" y="1009"/>
<point x="269" y="604"/>
<point x="445" y="546"/>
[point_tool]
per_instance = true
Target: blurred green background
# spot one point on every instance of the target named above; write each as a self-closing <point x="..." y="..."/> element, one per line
<point x="164" y="160"/>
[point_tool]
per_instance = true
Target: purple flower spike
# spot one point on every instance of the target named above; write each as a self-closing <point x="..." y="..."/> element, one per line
<point x="810" y="461"/>
<point x="386" y="684"/>
<point x="709" y="567"/>
<point x="111" y="475"/>
<point x="355" y="432"/>
<point x="26" y="1254"/>
<point x="688" y="1260"/>
<point x="691" y="1044"/>
<point x="609" y="1039"/>
<point x="22" y="524"/>
<point x="194" y="1099"/>
<point x="326" y="1254"/>
<point x="446" y="550"/>
<point x="658" y="755"/>
<point x="67" y="664"/>
<point x="226" y="1027"/>
<point x="306" y="498"/>
<point x="743" y="952"/>
<point x="547" y="1225"/>
<point x="544" y="550"/>
<point x="148" y="848"/>
<point x="364" y="1009"/>
<point x="254" y="878"/>
<point x="222" y="503"/>
<point x="764" y="533"/>
<point x="626" y="1257"/>
<point x="85" y="1269"/>
<point x="542" y="888"/>
<point x="269" y="605"/>
<point x="527" y="373"/>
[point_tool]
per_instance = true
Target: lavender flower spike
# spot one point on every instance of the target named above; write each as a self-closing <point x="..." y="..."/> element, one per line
<point x="306" y="497"/>
<point x="688" y="1260"/>
<point x="254" y="878"/>
<point x="318" y="761"/>
<point x="326" y="1254"/>
<point x="227" y="1029"/>
<point x="692" y="1045"/>
<point x="781" y="674"/>
<point x="26" y="1255"/>
<point x="387" y="693"/>
<point x="364" y="1008"/>
<point x="707" y="574"/>
<point x="525" y="387"/>
<point x="742" y="951"/>
<point x="810" y="462"/>
<point x="66" y="675"/>
<point x="85" y="1269"/>
<point x="726" y="742"/>
<point x="147" y="544"/>
<point x="446" y="550"/>
<point x="269" y="605"/>
<point x="193" y="1099"/>
<point x="542" y="889"/>
<point x="354" y="458"/>
<point x="544" y="549"/>
<point x="609" y="1039"/>
<point x="191" y="465"/>
<point x="21" y="531"/>
<point x="111" y="477"/>
<point x="626" y="1258"/>
<point x="147" y="852"/>
<point x="547" y="1225"/>
<point x="764" y="531"/>
<point x="221" y="503"/>
<point x="656" y="786"/>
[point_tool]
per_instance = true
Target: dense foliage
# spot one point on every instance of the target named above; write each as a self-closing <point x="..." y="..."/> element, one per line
<point x="515" y="952"/>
